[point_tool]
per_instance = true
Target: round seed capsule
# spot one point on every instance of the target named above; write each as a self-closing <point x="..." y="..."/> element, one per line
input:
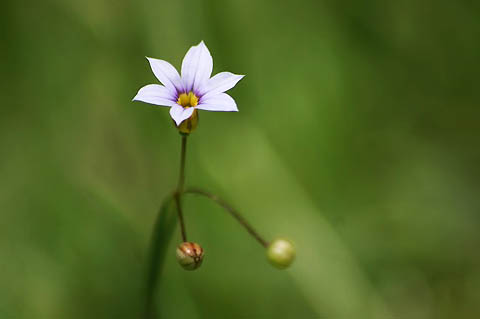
<point x="281" y="253"/>
<point x="189" y="255"/>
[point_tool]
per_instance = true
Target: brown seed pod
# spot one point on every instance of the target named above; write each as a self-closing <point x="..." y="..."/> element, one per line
<point x="189" y="255"/>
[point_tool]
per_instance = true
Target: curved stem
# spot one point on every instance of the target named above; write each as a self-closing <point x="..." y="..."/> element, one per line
<point x="234" y="213"/>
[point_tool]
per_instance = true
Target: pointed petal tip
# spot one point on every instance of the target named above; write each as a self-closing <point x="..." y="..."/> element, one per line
<point x="179" y="114"/>
<point x="197" y="66"/>
<point x="178" y="121"/>
<point x="150" y="59"/>
<point x="240" y="77"/>
<point x="136" y="97"/>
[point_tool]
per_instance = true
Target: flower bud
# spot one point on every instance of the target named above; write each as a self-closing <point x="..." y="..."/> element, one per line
<point x="281" y="253"/>
<point x="189" y="255"/>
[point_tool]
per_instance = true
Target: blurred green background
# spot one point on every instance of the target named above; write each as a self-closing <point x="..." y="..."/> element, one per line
<point x="357" y="138"/>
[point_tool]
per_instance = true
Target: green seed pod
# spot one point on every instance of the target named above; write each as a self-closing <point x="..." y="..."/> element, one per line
<point x="281" y="253"/>
<point x="189" y="255"/>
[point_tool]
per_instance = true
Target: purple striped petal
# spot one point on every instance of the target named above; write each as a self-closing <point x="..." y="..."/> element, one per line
<point x="220" y="83"/>
<point x="197" y="67"/>
<point x="180" y="114"/>
<point x="219" y="102"/>
<point x="155" y="94"/>
<point x="167" y="75"/>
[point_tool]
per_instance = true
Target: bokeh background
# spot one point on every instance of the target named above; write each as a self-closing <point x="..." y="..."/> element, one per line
<point x="357" y="138"/>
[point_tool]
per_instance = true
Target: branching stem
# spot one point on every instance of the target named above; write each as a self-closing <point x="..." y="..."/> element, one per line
<point x="165" y="224"/>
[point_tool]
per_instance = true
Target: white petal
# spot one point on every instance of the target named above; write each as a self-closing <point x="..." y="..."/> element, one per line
<point x="166" y="74"/>
<point x="179" y="114"/>
<point x="155" y="94"/>
<point x="218" y="102"/>
<point x="220" y="83"/>
<point x="197" y="67"/>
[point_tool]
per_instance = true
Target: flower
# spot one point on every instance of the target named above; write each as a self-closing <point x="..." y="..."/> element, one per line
<point x="193" y="90"/>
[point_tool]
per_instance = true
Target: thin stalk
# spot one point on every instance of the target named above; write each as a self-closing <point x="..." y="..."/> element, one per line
<point x="180" y="186"/>
<point x="181" y="176"/>
<point x="162" y="233"/>
<point x="234" y="213"/>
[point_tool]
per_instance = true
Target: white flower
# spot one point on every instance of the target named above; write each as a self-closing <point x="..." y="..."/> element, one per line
<point x="194" y="89"/>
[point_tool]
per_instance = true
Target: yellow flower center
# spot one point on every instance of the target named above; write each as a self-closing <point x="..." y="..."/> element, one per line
<point x="187" y="100"/>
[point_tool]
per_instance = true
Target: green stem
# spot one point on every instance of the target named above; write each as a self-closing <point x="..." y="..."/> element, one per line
<point x="162" y="233"/>
<point x="234" y="213"/>
<point x="165" y="225"/>
<point x="183" y="154"/>
<point x="180" y="185"/>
